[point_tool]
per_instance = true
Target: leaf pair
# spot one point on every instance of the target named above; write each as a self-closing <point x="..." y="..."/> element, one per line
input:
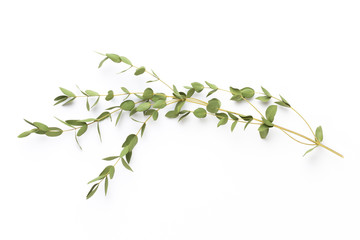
<point x="41" y="128"/>
<point x="268" y="121"/>
<point x="240" y="94"/>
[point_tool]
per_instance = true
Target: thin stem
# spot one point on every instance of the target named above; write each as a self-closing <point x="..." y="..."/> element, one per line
<point x="312" y="131"/>
<point x="156" y="78"/>
<point x="310" y="144"/>
<point x="283" y="129"/>
<point x="115" y="95"/>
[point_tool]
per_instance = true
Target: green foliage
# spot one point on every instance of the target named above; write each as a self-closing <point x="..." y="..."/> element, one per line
<point x="198" y="87"/>
<point x="271" y="112"/>
<point x="319" y="134"/>
<point x="213" y="105"/>
<point x="114" y="57"/>
<point x="110" y="95"/>
<point x="144" y="106"/>
<point x="67" y="92"/>
<point x="140" y="71"/>
<point x="283" y="102"/>
<point x="200" y="113"/>
<point x="127" y="105"/>
<point x="223" y="118"/>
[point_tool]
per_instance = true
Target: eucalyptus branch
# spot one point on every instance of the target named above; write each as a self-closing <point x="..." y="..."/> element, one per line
<point x="149" y="103"/>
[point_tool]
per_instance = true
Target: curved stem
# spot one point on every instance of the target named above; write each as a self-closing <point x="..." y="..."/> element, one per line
<point x="156" y="78"/>
<point x="312" y="131"/>
<point x="286" y="130"/>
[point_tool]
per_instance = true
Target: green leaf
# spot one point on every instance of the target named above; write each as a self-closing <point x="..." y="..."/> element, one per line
<point x="247" y="92"/>
<point x="54" y="132"/>
<point x="98" y="130"/>
<point x="97" y="178"/>
<point x="124" y="151"/>
<point x="200" y="113"/>
<point x="114" y="57"/>
<point x="111" y="172"/>
<point x="286" y="102"/>
<point x="110" y="158"/>
<point x="248" y="122"/>
<point x="212" y="86"/>
<point x="88" y="120"/>
<point x="92" y="191"/>
<point x="143" y="129"/>
<point x="126" y="165"/>
<point x="155" y="75"/>
<point x="211" y="92"/>
<point x="184" y="116"/>
<point x="172" y="114"/>
<point x="96" y="102"/>
<point x="159" y="96"/>
<point x="27" y="133"/>
<point x="110" y="95"/>
<point x="77" y="141"/>
<point x="132" y="112"/>
<point x="125" y="60"/>
<point x="106" y="171"/>
<point x="125" y="90"/>
<point x="67" y="92"/>
<point x="282" y="104"/>
<point x="235" y="91"/>
<point x="127" y="105"/>
<point x="91" y="93"/>
<point x="139" y="71"/>
<point x="118" y="117"/>
<point x="319" y="134"/>
<point x="67" y="124"/>
<point x="82" y="130"/>
<point x="106" y="185"/>
<point x="190" y="92"/>
<point x="263" y="130"/>
<point x="263" y="98"/>
<point x="267" y="122"/>
<point x="41" y="126"/>
<point x="237" y="98"/>
<point x="128" y="156"/>
<point x="309" y="150"/>
<point x="130" y="142"/>
<point x="271" y="112"/>
<point x="87" y="104"/>
<point x="179" y="106"/>
<point x="197" y="86"/>
<point x="223" y="118"/>
<point x="150" y="81"/>
<point x="266" y="92"/>
<point x="143" y="107"/>
<point x="60" y="99"/>
<point x="29" y="123"/>
<point x="155" y="115"/>
<point x="75" y="122"/>
<point x="159" y="104"/>
<point x="233" y="125"/>
<point x="103" y="116"/>
<point x="213" y="105"/>
<point x="71" y="99"/>
<point x="148" y="93"/>
<point x="232" y="116"/>
<point x="101" y="63"/>
<point x="176" y="93"/>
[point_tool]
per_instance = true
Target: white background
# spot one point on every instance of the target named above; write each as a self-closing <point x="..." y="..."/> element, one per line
<point x="191" y="180"/>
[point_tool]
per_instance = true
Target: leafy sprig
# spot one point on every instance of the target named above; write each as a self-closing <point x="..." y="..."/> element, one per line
<point x="149" y="103"/>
